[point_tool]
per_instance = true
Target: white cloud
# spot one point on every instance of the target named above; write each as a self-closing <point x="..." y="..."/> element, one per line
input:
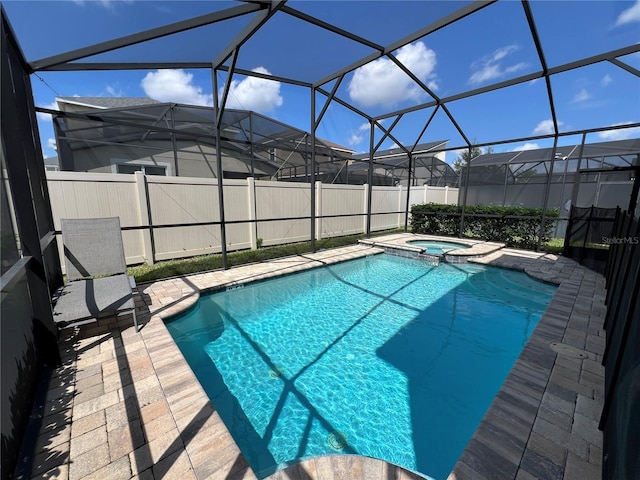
<point x="253" y="93"/>
<point x="515" y="68"/>
<point x="45" y="117"/>
<point x="491" y="68"/>
<point x="114" y="91"/>
<point x="51" y="143"/>
<point x="355" y="138"/>
<point x="630" y="15"/>
<point x="174" y="86"/>
<point x="620" y="134"/>
<point x="527" y="146"/>
<point x="606" y="80"/>
<point x="108" y="4"/>
<point x="581" y="96"/>
<point x="382" y="82"/>
<point x="545" y="127"/>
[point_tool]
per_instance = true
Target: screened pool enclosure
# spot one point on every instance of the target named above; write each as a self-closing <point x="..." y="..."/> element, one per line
<point x="180" y="140"/>
<point x="350" y="77"/>
<point x="599" y="174"/>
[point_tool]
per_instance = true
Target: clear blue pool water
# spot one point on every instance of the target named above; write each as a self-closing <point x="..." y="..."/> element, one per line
<point x="437" y="248"/>
<point x="383" y="356"/>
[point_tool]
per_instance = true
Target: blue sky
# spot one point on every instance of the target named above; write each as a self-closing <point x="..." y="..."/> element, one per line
<point x="490" y="46"/>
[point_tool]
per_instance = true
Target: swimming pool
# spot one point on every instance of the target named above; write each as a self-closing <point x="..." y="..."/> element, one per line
<point x="437" y="248"/>
<point x="383" y="356"/>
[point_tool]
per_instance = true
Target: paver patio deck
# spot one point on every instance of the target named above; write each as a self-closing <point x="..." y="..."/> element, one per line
<point x="127" y="405"/>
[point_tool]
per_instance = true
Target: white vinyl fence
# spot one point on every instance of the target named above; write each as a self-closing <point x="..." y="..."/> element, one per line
<point x="173" y="217"/>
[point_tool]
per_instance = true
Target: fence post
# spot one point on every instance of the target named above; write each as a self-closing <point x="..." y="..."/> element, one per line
<point x="446" y="195"/>
<point x="426" y="194"/>
<point x="145" y="217"/>
<point x="253" y="225"/>
<point x="366" y="206"/>
<point x="400" y="206"/>
<point x="318" y="210"/>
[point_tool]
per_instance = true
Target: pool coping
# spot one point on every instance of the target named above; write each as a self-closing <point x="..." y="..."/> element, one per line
<point x="398" y="243"/>
<point x="542" y="423"/>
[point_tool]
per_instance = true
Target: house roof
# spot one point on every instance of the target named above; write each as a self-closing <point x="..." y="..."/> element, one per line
<point x="284" y="131"/>
<point x="601" y="149"/>
<point x="397" y="156"/>
<point x="335" y="146"/>
<point x="107" y="102"/>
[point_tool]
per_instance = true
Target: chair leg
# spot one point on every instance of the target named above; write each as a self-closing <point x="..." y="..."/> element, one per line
<point x="135" y="320"/>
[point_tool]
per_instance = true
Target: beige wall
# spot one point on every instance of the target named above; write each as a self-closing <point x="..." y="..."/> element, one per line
<point x="193" y="160"/>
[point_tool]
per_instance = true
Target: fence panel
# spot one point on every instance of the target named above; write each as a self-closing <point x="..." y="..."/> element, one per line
<point x="416" y="195"/>
<point x="280" y="199"/>
<point x="180" y="200"/>
<point x="94" y="195"/>
<point x="439" y="195"/>
<point x="385" y="199"/>
<point x="341" y="200"/>
<point x="237" y="206"/>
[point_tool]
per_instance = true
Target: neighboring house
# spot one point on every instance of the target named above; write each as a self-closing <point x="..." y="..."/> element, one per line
<point x="427" y="166"/>
<point x="521" y="177"/>
<point x="125" y="135"/>
<point x="51" y="164"/>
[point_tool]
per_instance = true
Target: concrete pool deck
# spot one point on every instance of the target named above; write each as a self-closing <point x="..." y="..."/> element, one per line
<point x="127" y="405"/>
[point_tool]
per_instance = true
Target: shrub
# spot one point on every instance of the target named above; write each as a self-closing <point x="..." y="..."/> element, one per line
<point x="517" y="227"/>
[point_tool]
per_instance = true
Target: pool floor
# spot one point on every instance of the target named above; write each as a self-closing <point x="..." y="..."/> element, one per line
<point x="384" y="356"/>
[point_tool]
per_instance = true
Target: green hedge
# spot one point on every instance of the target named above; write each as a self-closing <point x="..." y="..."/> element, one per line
<point x="517" y="227"/>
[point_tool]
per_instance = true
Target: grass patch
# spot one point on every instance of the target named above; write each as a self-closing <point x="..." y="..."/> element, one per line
<point x="172" y="268"/>
<point x="554" y="245"/>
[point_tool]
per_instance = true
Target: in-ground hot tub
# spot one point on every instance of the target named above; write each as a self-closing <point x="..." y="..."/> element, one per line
<point x="434" y="247"/>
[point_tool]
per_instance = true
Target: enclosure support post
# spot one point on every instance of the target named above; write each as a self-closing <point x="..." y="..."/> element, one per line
<point x="219" y="174"/>
<point x="253" y="225"/>
<point x="312" y="180"/>
<point x="145" y="219"/>
<point x="406" y="211"/>
<point x="370" y="179"/>
<point x="174" y="141"/>
<point x="547" y="190"/>
<point x="253" y="171"/>
<point x="464" y="193"/>
<point x="576" y="181"/>
<point x="635" y="190"/>
<point x="506" y="179"/>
